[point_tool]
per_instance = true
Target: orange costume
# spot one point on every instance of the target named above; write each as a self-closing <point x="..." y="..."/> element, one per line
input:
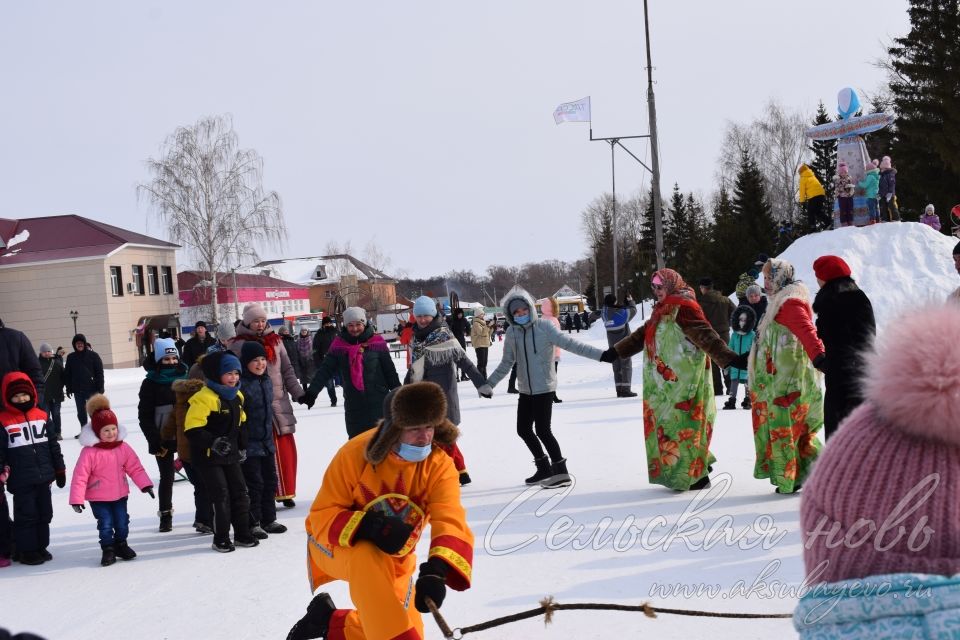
<point x="382" y="585"/>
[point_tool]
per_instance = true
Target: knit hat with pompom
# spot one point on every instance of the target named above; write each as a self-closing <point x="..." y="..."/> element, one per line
<point x="98" y="408"/>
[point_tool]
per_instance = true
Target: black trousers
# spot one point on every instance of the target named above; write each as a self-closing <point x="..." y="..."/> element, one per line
<point x="80" y="398"/>
<point x="513" y="377"/>
<point x="200" y="498"/>
<point x="719" y="375"/>
<point x="228" y="495"/>
<point x="260" y="474"/>
<point x="482" y="360"/>
<point x="32" y="513"/>
<point x="6" y="526"/>
<point x="167" y="473"/>
<point x="533" y="424"/>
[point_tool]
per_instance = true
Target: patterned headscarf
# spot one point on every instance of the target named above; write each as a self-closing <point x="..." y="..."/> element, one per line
<point x="673" y="283"/>
<point x="678" y="293"/>
<point x="780" y="273"/>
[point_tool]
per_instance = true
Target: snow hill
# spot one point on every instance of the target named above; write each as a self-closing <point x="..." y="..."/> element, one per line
<point x="611" y="537"/>
<point x="898" y="265"/>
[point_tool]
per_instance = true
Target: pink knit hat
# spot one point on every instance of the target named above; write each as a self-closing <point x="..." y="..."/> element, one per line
<point x="882" y="498"/>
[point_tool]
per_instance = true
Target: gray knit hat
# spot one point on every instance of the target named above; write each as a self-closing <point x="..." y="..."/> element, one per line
<point x="45" y="346"/>
<point x="354" y="314"/>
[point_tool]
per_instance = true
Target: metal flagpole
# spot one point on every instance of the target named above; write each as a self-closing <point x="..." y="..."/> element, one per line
<point x="655" y="150"/>
<point x="613" y="179"/>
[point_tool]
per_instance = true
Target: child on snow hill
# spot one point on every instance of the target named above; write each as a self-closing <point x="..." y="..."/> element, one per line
<point x="743" y="321"/>
<point x="29" y="461"/>
<point x="100" y="478"/>
<point x="218" y="442"/>
<point x="843" y="189"/>
<point x="930" y="217"/>
<point x="259" y="469"/>
<point x="871" y="187"/>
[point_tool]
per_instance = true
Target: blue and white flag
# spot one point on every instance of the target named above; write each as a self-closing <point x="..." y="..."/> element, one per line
<point x="578" y="111"/>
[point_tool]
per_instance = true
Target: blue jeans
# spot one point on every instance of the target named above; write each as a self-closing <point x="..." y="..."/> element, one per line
<point x="112" y="521"/>
<point x="872" y="208"/>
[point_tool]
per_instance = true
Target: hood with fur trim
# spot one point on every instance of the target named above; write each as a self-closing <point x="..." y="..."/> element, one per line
<point x="88" y="438"/>
<point x="420" y="403"/>
<point x="519" y="293"/>
<point x="915" y="383"/>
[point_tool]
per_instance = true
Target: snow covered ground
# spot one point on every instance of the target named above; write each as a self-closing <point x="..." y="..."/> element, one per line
<point x="612" y="537"/>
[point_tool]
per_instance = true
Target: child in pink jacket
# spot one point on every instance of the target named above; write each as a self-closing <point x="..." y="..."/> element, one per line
<point x="100" y="477"/>
<point x="549" y="308"/>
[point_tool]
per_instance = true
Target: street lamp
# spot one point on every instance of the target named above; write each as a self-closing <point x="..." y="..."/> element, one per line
<point x="73" y="316"/>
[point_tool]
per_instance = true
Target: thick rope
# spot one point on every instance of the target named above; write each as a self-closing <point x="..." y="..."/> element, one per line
<point x="548" y="606"/>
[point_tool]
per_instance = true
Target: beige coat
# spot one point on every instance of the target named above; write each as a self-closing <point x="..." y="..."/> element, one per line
<point x="479" y="333"/>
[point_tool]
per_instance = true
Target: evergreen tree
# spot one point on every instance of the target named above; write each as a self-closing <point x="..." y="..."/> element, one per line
<point x="698" y="234"/>
<point x="926" y="148"/>
<point x="824" y="164"/>
<point x="743" y="226"/>
<point x="674" y="238"/>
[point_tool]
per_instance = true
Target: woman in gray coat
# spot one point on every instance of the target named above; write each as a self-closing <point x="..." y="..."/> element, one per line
<point x="285" y="384"/>
<point x="437" y="357"/>
<point x="530" y="343"/>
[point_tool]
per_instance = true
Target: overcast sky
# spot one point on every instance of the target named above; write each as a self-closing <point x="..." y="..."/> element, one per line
<point x="425" y="126"/>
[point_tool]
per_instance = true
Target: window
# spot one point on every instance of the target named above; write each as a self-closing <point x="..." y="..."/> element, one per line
<point x="166" y="280"/>
<point x="137" y="280"/>
<point x="153" y="281"/>
<point x="116" y="281"/>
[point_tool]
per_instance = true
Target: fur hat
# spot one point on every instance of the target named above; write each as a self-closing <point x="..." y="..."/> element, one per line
<point x="98" y="408"/>
<point x="829" y="268"/>
<point x="412" y="405"/>
<point x="929" y="210"/>
<point x="905" y="439"/>
<point x="165" y="347"/>
<point x="424" y="306"/>
<point x="354" y="314"/>
<point x="253" y="311"/>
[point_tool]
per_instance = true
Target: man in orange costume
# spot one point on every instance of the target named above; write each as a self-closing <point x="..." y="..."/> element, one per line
<point x="379" y="493"/>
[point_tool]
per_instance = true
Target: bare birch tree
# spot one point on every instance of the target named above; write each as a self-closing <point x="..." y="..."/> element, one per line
<point x="208" y="193"/>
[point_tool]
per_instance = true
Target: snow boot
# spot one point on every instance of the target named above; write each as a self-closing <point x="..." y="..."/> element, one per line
<point x="556" y="400"/>
<point x="31" y="558"/>
<point x="109" y="556"/>
<point x="123" y="551"/>
<point x="166" y="520"/>
<point x="47" y="556"/>
<point x="731" y="403"/>
<point x="543" y="470"/>
<point x="316" y="621"/>
<point x="289" y="503"/>
<point x="558" y="476"/>
<point x="224" y="546"/>
<point x="274" y="527"/>
<point x="245" y="542"/>
<point x="202" y="527"/>
<point x="257" y="532"/>
<point x="746" y="403"/>
<point x="626" y="393"/>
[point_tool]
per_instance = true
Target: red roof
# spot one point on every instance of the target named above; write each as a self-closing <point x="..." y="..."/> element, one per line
<point x="67" y="237"/>
<point x="187" y="280"/>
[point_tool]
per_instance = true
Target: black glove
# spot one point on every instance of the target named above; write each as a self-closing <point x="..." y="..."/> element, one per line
<point x="307" y="400"/>
<point x="820" y="362"/>
<point x="610" y="355"/>
<point x="221" y="446"/>
<point x="741" y="361"/>
<point x="61" y="478"/>
<point x="148" y="489"/>
<point x="389" y="533"/>
<point x="78" y="507"/>
<point x="431" y="584"/>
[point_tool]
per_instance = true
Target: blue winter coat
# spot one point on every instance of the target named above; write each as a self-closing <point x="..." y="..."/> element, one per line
<point x="258" y="405"/>
<point x="901" y="606"/>
<point x="531" y="347"/>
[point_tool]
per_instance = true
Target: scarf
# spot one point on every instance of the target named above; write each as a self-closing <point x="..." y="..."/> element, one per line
<point x="679" y="294"/>
<point x="354" y="354"/>
<point x="166" y="374"/>
<point x="108" y="445"/>
<point x="269" y="341"/>
<point x="222" y="390"/>
<point x="434" y="343"/>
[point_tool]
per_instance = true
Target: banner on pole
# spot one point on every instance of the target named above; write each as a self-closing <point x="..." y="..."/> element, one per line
<point x="578" y="111"/>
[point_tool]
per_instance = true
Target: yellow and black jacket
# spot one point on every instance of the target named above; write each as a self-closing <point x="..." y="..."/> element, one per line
<point x="210" y="417"/>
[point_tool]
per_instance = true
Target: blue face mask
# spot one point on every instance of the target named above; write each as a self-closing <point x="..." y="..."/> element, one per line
<point x="413" y="453"/>
<point x="522" y="320"/>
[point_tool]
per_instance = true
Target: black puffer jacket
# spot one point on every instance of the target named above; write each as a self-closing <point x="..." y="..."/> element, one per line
<point x="322" y="341"/>
<point x="52" y="370"/>
<point x="194" y="348"/>
<point x="33" y="458"/>
<point x="258" y="406"/>
<point x="84" y="370"/>
<point x="17" y="354"/>
<point x="157" y="400"/>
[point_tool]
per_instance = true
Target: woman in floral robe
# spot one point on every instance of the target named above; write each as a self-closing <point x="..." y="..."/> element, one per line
<point x="784" y="385"/>
<point x="678" y="401"/>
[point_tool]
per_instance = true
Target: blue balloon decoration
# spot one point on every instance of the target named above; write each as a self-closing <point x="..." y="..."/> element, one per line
<point x="847" y="102"/>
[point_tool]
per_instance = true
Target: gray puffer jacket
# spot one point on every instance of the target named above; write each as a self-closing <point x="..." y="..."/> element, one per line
<point x="531" y="347"/>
